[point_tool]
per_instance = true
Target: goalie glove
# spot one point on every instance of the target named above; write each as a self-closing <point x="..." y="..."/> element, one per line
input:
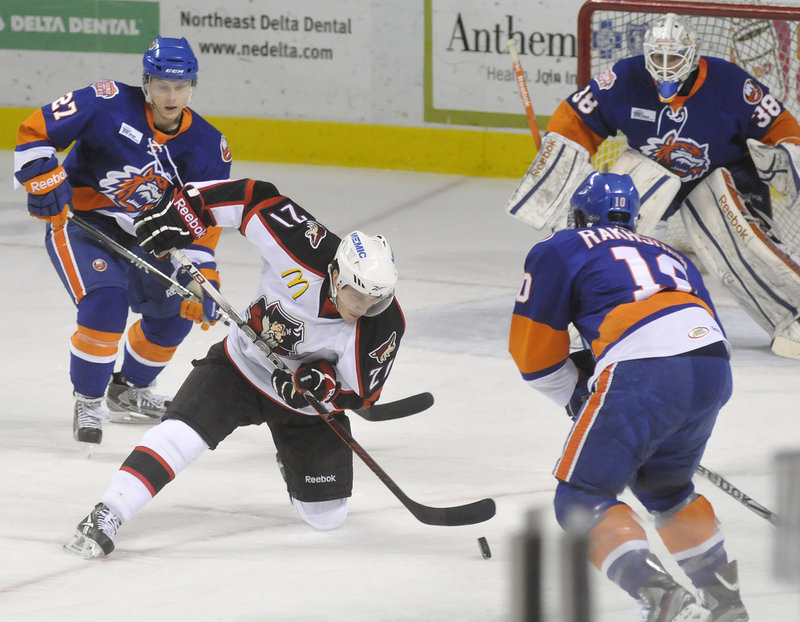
<point x="49" y="192"/>
<point x="172" y="223"/>
<point x="778" y="166"/>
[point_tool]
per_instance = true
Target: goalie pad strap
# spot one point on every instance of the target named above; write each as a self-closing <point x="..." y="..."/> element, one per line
<point x="542" y="197"/>
<point x="762" y="277"/>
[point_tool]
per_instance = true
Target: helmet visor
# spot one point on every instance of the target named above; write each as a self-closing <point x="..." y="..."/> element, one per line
<point x="359" y="304"/>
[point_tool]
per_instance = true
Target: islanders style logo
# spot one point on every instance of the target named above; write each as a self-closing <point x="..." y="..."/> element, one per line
<point x="135" y="189"/>
<point x="281" y="332"/>
<point x="683" y="156"/>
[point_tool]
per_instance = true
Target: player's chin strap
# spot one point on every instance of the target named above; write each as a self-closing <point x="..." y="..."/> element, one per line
<point x="469" y="514"/>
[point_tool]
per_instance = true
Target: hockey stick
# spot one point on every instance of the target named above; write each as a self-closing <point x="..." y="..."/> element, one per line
<point x="737" y="494"/>
<point x="387" y="411"/>
<point x="140" y="263"/>
<point x="524" y="94"/>
<point x="468" y="514"/>
<point x="398" y="409"/>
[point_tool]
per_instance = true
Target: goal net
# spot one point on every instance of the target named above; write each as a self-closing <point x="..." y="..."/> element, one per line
<point x="763" y="40"/>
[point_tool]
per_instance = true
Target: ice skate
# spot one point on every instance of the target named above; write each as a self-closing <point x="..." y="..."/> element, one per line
<point x="131" y="404"/>
<point x="87" y="420"/>
<point x="94" y="535"/>
<point x="722" y="598"/>
<point x="661" y="599"/>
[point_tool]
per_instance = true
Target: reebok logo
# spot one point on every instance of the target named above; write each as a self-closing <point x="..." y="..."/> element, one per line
<point x="741" y="228"/>
<point x="320" y="479"/>
<point x="189" y="218"/>
<point x="44" y="184"/>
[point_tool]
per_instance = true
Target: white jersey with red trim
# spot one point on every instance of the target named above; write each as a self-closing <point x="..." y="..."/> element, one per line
<point x="293" y="312"/>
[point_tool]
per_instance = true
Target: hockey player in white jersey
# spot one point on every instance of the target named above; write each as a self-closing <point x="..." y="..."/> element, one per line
<point x="325" y="306"/>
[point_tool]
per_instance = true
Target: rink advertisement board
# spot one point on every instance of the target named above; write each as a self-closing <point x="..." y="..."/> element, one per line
<point x="434" y="63"/>
<point x="469" y="76"/>
<point x="78" y="25"/>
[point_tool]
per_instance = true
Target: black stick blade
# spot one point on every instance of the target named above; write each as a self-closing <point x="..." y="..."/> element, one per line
<point x="398" y="409"/>
<point x="469" y="514"/>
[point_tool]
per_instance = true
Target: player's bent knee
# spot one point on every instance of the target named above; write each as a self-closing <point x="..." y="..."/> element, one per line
<point x="322" y="515"/>
<point x="575" y="504"/>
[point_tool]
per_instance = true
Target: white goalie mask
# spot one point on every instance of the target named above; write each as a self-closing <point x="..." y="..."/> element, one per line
<point x="670" y="54"/>
<point x="367" y="274"/>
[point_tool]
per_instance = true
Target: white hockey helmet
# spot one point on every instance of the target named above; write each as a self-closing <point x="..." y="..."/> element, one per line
<point x="670" y="53"/>
<point x="366" y="264"/>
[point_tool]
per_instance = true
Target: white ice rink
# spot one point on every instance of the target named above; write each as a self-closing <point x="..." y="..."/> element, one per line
<point x="221" y="542"/>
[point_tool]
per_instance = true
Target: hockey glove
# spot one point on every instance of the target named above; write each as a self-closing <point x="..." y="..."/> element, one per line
<point x="319" y="379"/>
<point x="283" y="383"/>
<point x="49" y="192"/>
<point x="171" y="223"/>
<point x="584" y="361"/>
<point x="204" y="311"/>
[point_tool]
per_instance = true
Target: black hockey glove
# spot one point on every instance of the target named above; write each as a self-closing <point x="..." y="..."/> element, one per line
<point x="283" y="383"/>
<point x="171" y="223"/>
<point x="584" y="361"/>
<point x="319" y="379"/>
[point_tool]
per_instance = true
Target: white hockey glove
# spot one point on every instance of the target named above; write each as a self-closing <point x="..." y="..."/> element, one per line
<point x="542" y="197"/>
<point x="778" y="166"/>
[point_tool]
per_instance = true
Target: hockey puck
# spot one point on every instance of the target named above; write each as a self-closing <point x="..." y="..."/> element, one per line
<point x="484" y="546"/>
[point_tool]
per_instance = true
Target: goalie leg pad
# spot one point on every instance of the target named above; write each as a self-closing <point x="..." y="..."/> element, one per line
<point x="542" y="197"/>
<point x="760" y="276"/>
<point x="778" y="166"/>
<point x="657" y="187"/>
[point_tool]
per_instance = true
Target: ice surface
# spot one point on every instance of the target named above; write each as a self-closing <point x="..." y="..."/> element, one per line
<point x="222" y="541"/>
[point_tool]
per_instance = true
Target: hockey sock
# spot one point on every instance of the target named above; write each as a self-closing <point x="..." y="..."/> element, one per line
<point x="149" y="347"/>
<point x="693" y="537"/>
<point x="165" y="450"/>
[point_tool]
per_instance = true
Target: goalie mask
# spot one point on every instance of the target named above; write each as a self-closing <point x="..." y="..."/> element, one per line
<point x="169" y="59"/>
<point x="605" y="199"/>
<point x="670" y="54"/>
<point x="367" y="274"/>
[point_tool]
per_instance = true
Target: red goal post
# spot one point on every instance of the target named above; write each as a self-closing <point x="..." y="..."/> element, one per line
<point x="762" y="39"/>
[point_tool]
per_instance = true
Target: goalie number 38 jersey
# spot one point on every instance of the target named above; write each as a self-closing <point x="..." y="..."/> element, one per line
<point x="629" y="296"/>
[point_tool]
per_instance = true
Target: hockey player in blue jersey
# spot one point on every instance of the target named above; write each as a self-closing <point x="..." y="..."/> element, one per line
<point x="129" y="146"/>
<point x="706" y="139"/>
<point x="644" y="412"/>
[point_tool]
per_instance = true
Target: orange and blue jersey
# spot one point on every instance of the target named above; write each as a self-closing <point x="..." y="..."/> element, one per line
<point x="693" y="134"/>
<point x="629" y="296"/>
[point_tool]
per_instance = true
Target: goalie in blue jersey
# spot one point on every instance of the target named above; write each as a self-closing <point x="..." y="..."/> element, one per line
<point x="129" y="146"/>
<point x="706" y="140"/>
<point x="644" y="411"/>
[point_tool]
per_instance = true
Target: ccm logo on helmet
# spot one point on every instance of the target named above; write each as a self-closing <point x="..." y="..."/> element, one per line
<point x="189" y="218"/>
<point x="359" y="246"/>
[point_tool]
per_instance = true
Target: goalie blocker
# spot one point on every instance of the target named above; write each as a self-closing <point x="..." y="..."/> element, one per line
<point x="759" y="274"/>
<point x="542" y="197"/>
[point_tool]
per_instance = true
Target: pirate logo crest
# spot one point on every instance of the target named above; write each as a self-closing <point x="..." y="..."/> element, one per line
<point x="281" y="332"/>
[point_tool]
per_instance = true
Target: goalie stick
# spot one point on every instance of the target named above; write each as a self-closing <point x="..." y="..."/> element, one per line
<point x="468" y="514"/>
<point x="737" y="494"/>
<point x="524" y="94"/>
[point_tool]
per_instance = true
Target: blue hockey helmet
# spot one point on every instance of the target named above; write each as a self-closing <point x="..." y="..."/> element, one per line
<point x="170" y="59"/>
<point x="605" y="199"/>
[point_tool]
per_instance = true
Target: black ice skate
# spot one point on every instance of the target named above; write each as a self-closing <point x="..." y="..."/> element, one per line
<point x="94" y="536"/>
<point x="131" y="404"/>
<point x="87" y="420"/>
<point x="662" y="599"/>
<point x="722" y="598"/>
